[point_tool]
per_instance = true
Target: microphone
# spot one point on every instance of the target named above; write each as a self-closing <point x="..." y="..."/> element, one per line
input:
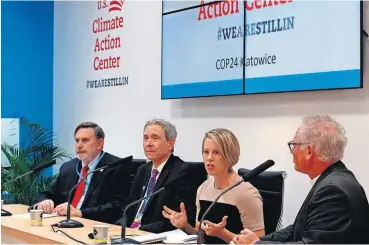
<point x="39" y="168"/>
<point x="35" y="170"/>
<point x="123" y="239"/>
<point x="246" y="177"/>
<point x="68" y="223"/>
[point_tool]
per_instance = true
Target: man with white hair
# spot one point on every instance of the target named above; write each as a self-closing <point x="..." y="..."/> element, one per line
<point x="163" y="170"/>
<point x="336" y="209"/>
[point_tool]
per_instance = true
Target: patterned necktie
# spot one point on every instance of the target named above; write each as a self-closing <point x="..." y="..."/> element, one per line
<point x="80" y="188"/>
<point x="150" y="189"/>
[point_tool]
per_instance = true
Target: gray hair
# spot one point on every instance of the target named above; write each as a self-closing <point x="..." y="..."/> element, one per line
<point x="99" y="133"/>
<point x="168" y="128"/>
<point x="326" y="135"/>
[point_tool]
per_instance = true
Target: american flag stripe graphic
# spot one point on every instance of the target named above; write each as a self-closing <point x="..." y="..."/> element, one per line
<point x="116" y="5"/>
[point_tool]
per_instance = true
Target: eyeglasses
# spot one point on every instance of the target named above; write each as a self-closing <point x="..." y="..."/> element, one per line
<point x="291" y="144"/>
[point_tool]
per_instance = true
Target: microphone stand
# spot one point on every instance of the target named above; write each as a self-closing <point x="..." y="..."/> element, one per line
<point x="68" y="223"/>
<point x="201" y="233"/>
<point x="123" y="239"/>
<point x="5" y="213"/>
<point x="30" y="172"/>
<point x="35" y="170"/>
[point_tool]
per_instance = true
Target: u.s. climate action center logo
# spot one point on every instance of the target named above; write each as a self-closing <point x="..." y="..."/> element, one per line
<point x="110" y="21"/>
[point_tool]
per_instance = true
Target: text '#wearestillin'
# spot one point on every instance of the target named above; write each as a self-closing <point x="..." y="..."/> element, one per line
<point x="109" y="82"/>
<point x="257" y="28"/>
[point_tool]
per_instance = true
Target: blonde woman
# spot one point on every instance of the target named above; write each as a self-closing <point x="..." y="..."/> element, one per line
<point x="237" y="209"/>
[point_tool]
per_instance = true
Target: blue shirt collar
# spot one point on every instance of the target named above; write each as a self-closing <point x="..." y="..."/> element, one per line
<point x="93" y="163"/>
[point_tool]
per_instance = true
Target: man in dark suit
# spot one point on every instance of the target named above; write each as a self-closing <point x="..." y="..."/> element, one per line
<point x="103" y="194"/>
<point x="336" y="209"/>
<point x="158" y="142"/>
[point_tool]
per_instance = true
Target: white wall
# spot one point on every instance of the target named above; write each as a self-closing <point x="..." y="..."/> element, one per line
<point x="263" y="123"/>
<point x="9" y="135"/>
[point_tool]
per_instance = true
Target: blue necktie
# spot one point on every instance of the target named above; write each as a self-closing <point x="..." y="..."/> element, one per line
<point x="150" y="189"/>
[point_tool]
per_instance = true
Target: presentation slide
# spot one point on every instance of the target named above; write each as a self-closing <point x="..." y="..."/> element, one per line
<point x="261" y="46"/>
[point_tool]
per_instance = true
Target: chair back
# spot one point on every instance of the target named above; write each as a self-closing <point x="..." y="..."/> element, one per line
<point x="198" y="171"/>
<point x="270" y="185"/>
<point x="136" y="163"/>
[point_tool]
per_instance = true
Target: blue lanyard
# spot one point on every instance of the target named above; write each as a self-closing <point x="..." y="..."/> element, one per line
<point x="79" y="173"/>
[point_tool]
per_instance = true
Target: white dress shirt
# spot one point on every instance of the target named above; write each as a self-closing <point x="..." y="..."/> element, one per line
<point x="160" y="168"/>
<point x="314" y="180"/>
<point x="91" y="167"/>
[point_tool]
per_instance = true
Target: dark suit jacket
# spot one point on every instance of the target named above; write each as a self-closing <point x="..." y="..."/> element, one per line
<point x="335" y="211"/>
<point x="106" y="194"/>
<point x="184" y="190"/>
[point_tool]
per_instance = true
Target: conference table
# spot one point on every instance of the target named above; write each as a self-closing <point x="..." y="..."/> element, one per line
<point x="17" y="229"/>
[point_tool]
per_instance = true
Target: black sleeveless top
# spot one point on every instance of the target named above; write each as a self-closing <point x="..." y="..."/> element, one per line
<point x="216" y="214"/>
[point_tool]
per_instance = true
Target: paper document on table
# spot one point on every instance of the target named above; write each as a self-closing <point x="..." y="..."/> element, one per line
<point x="150" y="238"/>
<point x="179" y="236"/>
<point x="50" y="215"/>
<point x="169" y="237"/>
<point x="27" y="215"/>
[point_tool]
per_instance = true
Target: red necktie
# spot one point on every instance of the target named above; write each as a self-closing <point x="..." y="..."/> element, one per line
<point x="80" y="188"/>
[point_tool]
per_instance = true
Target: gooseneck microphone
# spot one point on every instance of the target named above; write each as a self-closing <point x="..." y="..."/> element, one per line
<point x="245" y="178"/>
<point x="123" y="239"/>
<point x="35" y="170"/>
<point x="68" y="223"/>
